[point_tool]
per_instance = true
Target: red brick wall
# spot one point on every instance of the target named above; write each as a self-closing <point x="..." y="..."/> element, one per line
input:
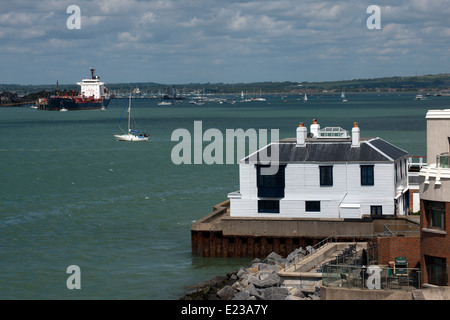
<point x="434" y="244"/>
<point x="391" y="247"/>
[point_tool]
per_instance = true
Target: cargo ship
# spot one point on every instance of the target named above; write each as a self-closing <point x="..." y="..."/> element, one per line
<point x="93" y="95"/>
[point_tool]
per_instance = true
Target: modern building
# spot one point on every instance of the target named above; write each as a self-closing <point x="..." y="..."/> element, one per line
<point x="434" y="183"/>
<point x="326" y="173"/>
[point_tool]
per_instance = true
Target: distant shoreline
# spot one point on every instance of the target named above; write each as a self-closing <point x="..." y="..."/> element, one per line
<point x="436" y="82"/>
<point x="430" y="91"/>
<point x="15" y="95"/>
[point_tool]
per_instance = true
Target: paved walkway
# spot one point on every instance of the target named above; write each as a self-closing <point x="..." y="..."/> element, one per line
<point x="306" y="272"/>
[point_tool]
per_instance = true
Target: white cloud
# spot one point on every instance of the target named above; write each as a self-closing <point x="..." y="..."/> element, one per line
<point x="91" y="21"/>
<point x="148" y="17"/>
<point x="239" y="22"/>
<point x="117" y="7"/>
<point x="285" y="36"/>
<point x="127" y="37"/>
<point x="19" y="19"/>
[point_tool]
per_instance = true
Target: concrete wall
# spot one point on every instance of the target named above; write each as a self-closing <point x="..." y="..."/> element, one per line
<point x="291" y="227"/>
<point x="219" y="235"/>
<point x="438" y="133"/>
<point x="327" y="293"/>
<point x="438" y="293"/>
<point x="433" y="191"/>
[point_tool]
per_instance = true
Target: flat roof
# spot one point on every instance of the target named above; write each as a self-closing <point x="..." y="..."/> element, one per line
<point x="438" y="114"/>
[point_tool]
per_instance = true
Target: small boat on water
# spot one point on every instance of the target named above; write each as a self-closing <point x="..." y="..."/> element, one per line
<point x="131" y="135"/>
<point x="260" y="98"/>
<point x="343" y="97"/>
<point x="165" y="103"/>
<point x="420" y="97"/>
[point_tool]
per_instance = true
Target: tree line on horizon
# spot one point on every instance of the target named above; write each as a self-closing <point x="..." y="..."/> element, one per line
<point x="11" y="93"/>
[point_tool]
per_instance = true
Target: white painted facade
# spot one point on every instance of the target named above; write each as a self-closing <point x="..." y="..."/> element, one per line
<point x="92" y="88"/>
<point x="345" y="198"/>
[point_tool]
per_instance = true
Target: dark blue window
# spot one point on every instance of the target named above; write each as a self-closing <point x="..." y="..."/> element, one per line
<point x="376" y="210"/>
<point x="367" y="177"/>
<point x="312" y="206"/>
<point x="326" y="175"/>
<point x="269" y="206"/>
<point x="270" y="186"/>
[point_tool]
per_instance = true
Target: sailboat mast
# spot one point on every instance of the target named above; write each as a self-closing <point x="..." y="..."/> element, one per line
<point x="129" y="113"/>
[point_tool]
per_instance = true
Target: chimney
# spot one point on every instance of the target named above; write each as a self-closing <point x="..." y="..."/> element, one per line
<point x="301" y="135"/>
<point x="315" y="127"/>
<point x="355" y="135"/>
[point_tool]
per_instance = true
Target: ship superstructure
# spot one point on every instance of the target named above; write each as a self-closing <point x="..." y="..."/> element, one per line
<point x="93" y="95"/>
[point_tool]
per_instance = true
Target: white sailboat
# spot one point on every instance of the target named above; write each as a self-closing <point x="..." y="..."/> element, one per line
<point x="131" y="134"/>
<point x="305" y="98"/>
<point x="343" y="97"/>
<point x="260" y="98"/>
<point x="165" y="103"/>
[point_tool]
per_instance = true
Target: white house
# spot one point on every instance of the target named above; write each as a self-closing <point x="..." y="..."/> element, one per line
<point x="327" y="173"/>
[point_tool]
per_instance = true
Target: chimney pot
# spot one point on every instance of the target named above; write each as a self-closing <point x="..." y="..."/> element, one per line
<point x="355" y="135"/>
<point x="301" y="135"/>
<point x="315" y="127"/>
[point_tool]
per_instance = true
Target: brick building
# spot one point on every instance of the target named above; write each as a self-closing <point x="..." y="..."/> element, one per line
<point x="434" y="184"/>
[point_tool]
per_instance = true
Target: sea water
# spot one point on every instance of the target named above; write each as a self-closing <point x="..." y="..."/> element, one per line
<point x="122" y="212"/>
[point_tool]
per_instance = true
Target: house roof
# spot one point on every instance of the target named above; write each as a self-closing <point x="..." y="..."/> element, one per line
<point x="331" y="150"/>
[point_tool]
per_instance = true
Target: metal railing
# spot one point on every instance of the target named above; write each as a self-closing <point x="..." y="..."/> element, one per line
<point x="417" y="162"/>
<point x="296" y="260"/>
<point x="395" y="230"/>
<point x="309" y="250"/>
<point x="372" y="277"/>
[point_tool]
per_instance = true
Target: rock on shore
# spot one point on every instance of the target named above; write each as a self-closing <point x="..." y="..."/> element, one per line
<point x="258" y="281"/>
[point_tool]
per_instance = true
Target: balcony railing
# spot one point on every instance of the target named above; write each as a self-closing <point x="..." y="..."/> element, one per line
<point x="443" y="160"/>
<point x="371" y="277"/>
<point x="416" y="163"/>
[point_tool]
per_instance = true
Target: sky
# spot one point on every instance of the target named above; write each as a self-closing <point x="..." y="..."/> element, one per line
<point x="226" y="41"/>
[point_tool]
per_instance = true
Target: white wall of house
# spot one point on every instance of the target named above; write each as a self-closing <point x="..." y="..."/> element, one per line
<point x="346" y="198"/>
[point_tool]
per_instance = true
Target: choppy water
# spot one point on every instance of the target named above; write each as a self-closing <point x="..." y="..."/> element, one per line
<point x="72" y="195"/>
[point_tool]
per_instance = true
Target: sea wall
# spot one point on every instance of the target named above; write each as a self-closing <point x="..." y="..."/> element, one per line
<point x="219" y="235"/>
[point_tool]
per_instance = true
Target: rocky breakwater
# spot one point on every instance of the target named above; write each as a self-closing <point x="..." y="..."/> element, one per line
<point x="258" y="281"/>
